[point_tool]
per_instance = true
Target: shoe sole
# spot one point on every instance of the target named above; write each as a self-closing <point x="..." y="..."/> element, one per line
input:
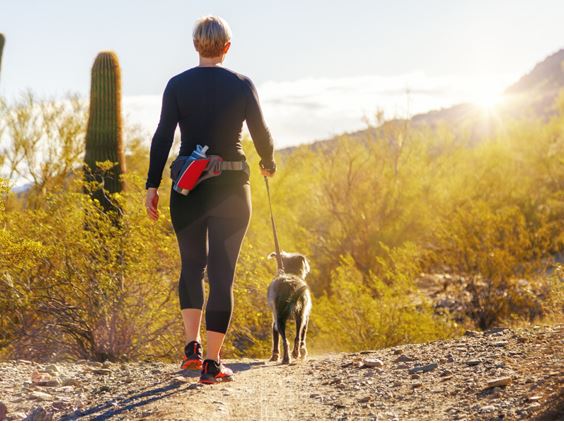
<point x="192" y="365"/>
<point x="210" y="380"/>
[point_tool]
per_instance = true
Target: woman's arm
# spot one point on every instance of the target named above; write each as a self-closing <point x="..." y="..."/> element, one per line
<point x="163" y="137"/>
<point x="260" y="133"/>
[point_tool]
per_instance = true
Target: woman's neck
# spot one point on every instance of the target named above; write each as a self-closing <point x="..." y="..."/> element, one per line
<point x="211" y="61"/>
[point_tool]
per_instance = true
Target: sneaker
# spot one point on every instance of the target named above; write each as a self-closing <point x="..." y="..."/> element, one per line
<point x="214" y="372"/>
<point x="192" y="356"/>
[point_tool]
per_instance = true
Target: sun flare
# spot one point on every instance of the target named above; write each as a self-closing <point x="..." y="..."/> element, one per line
<point x="488" y="100"/>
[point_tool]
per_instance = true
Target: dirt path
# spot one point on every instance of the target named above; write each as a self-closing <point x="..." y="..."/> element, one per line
<point x="444" y="380"/>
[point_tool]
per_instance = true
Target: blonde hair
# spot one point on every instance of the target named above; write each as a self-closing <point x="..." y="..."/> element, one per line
<point x="210" y="35"/>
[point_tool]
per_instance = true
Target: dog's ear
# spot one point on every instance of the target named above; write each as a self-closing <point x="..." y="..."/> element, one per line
<point x="305" y="264"/>
<point x="271" y="255"/>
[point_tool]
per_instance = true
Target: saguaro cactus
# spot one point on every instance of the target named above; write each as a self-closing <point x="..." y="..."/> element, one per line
<point x="2" y="42"/>
<point x="104" y="140"/>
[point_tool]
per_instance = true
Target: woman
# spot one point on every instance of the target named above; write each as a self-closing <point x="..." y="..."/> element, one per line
<point x="210" y="103"/>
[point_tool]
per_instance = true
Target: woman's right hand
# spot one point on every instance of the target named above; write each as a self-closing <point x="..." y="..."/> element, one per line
<point x="151" y="203"/>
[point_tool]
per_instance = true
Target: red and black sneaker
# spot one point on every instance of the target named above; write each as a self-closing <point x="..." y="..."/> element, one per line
<point x="192" y="356"/>
<point x="215" y="372"/>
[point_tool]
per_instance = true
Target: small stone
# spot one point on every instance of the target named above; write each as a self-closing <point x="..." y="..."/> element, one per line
<point x="3" y="411"/>
<point x="44" y="379"/>
<point x="101" y="371"/>
<point x="416" y="384"/>
<point x="195" y="386"/>
<point x="52" y="369"/>
<point x="471" y="333"/>
<point x="180" y="379"/>
<point x="473" y="362"/>
<point x="372" y="362"/>
<point x="27" y="362"/>
<point x="403" y="359"/>
<point x="535" y="398"/>
<point x="501" y="381"/>
<point x="415" y="376"/>
<point x="71" y="382"/>
<point x="41" y="396"/>
<point x="487" y="409"/>
<point x="315" y="395"/>
<point x="500" y="344"/>
<point x="402" y="366"/>
<point x="424" y="369"/>
<point x="106" y="364"/>
<point x="364" y="400"/>
<point x="59" y="405"/>
<point x="38" y="414"/>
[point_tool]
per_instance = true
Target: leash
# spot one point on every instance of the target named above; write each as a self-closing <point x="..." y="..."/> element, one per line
<point x="276" y="244"/>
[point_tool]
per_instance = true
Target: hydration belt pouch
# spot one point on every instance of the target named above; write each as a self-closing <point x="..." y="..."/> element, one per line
<point x="187" y="172"/>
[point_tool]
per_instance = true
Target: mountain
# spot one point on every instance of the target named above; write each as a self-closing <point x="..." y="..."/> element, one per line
<point x="533" y="95"/>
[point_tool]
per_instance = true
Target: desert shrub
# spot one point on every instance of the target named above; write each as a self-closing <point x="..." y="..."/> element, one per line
<point x="386" y="311"/>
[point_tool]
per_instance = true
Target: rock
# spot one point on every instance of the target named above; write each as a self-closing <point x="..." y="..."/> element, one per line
<point x="41" y="396"/>
<point x="423" y="369"/>
<point x="52" y="369"/>
<point x="473" y="362"/>
<point x="195" y="386"/>
<point x="416" y="384"/>
<point x="364" y="400"/>
<point x="316" y="395"/>
<point x="37" y="414"/>
<point x="471" y="333"/>
<point x="402" y="366"/>
<point x="534" y="398"/>
<point x="24" y="362"/>
<point x="71" y="382"/>
<point x="44" y="379"/>
<point x="487" y="409"/>
<point x="180" y="379"/>
<point x="415" y="376"/>
<point x="101" y="371"/>
<point x="3" y="411"/>
<point x="403" y="359"/>
<point x="500" y="344"/>
<point x="372" y="362"/>
<point x="501" y="381"/>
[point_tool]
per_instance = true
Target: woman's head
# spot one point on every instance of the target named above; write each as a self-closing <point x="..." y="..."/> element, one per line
<point x="211" y="36"/>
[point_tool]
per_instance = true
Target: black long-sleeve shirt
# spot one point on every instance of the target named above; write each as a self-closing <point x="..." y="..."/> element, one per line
<point x="210" y="105"/>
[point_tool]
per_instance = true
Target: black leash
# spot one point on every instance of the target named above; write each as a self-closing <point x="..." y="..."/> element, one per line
<point x="276" y="245"/>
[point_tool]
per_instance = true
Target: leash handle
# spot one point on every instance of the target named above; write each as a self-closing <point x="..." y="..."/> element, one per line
<point x="276" y="244"/>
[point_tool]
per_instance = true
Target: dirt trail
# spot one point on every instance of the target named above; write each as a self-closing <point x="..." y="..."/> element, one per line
<point x="443" y="380"/>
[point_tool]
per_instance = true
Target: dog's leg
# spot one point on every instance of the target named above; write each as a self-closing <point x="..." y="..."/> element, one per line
<point x="297" y="343"/>
<point x="303" y="349"/>
<point x="285" y="345"/>
<point x="275" y="343"/>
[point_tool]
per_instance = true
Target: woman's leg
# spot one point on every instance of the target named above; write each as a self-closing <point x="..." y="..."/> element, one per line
<point x="189" y="223"/>
<point x="227" y="225"/>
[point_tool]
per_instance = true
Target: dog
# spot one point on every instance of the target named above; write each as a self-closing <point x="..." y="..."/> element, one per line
<point x="289" y="296"/>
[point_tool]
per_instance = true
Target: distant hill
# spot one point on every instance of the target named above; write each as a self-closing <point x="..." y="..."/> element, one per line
<point x="533" y="95"/>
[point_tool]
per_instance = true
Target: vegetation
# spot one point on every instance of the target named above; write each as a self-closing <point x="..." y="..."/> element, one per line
<point x="372" y="217"/>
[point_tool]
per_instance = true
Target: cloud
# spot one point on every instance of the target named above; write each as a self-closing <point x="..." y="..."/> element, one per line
<point x="310" y="109"/>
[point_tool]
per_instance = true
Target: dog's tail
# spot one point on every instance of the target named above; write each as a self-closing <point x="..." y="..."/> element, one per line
<point x="284" y="308"/>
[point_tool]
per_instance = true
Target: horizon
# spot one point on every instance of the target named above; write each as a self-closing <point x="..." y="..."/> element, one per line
<point x="313" y="97"/>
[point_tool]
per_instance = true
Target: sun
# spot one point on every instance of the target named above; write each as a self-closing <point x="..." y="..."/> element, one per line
<point x="487" y="100"/>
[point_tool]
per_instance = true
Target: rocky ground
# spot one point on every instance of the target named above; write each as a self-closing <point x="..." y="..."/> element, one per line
<point x="499" y="374"/>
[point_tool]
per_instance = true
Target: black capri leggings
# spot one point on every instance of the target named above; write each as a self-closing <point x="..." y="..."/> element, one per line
<point x="210" y="224"/>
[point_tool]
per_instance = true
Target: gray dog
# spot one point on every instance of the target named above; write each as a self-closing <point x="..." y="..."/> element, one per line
<point x="289" y="296"/>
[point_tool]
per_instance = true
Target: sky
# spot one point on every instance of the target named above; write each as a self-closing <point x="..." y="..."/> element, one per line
<point x="319" y="66"/>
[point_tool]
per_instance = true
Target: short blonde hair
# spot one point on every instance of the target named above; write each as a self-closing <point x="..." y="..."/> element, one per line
<point x="210" y="35"/>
